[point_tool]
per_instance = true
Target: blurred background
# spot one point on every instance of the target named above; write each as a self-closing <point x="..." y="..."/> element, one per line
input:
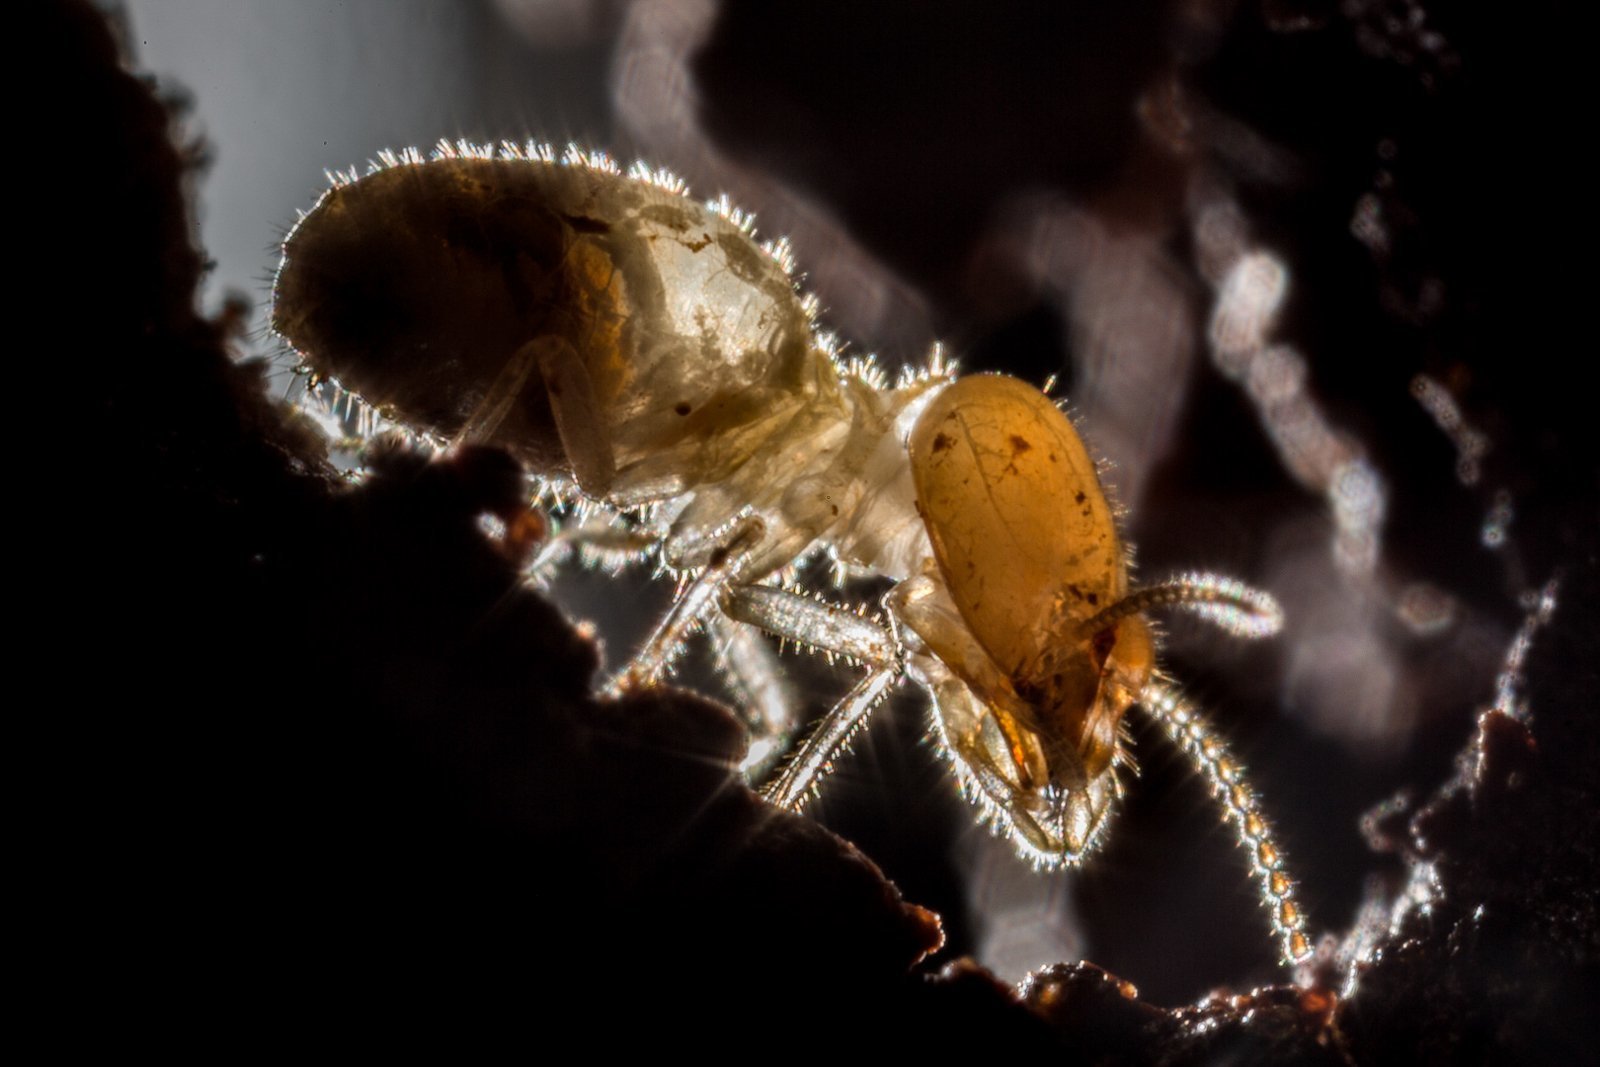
<point x="1286" y="260"/>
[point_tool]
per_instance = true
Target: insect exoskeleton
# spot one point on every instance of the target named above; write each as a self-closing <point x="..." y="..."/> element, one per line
<point x="617" y="336"/>
<point x="1027" y="552"/>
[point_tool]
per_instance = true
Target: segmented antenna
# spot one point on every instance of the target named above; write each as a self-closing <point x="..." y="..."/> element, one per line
<point x="1188" y="728"/>
<point x="1227" y="602"/>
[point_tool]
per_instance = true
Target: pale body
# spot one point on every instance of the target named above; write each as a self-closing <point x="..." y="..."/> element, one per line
<point x="608" y="330"/>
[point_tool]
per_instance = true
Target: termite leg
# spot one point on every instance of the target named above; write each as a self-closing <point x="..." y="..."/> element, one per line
<point x="1189" y="730"/>
<point x="580" y="420"/>
<point x="760" y="690"/>
<point x="699" y="597"/>
<point x="798" y="780"/>
<point x="830" y="629"/>
<point x="599" y="543"/>
<point x="825" y="627"/>
<point x="500" y="397"/>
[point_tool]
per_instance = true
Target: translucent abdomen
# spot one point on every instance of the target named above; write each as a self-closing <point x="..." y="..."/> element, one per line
<point x="676" y="338"/>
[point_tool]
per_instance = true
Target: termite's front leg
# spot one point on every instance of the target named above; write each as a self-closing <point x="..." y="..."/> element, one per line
<point x="833" y="630"/>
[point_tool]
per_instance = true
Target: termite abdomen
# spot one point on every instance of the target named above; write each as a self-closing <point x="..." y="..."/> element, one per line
<point x="593" y="324"/>
<point x="414" y="289"/>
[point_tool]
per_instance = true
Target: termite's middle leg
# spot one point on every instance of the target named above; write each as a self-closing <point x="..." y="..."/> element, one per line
<point x="725" y="553"/>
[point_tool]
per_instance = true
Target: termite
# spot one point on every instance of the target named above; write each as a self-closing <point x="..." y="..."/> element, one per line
<point x="616" y="336"/>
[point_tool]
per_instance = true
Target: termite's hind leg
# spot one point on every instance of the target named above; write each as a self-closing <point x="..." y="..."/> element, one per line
<point x="831" y="630"/>
<point x="580" y="420"/>
<point x="601" y="542"/>
<point x="1188" y="728"/>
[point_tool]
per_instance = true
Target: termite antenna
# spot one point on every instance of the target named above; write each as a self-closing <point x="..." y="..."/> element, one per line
<point x="1188" y="728"/>
<point x="1227" y="602"/>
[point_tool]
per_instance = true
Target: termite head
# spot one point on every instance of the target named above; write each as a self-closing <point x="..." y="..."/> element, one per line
<point x="1027" y="563"/>
<point x="1038" y="753"/>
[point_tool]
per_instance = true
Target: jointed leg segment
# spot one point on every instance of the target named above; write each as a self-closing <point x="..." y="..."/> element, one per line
<point x="833" y="630"/>
<point x="760" y="689"/>
<point x="796" y="782"/>
<point x="699" y="597"/>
